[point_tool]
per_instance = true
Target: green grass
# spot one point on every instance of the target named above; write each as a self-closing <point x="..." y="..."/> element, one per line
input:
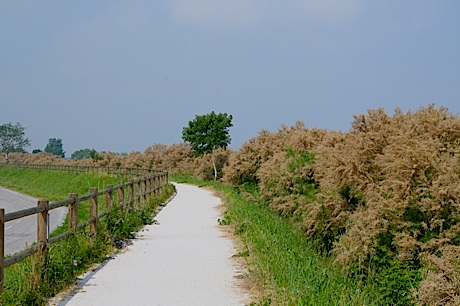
<point x="287" y="266"/>
<point x="32" y="281"/>
<point x="56" y="186"/>
<point x="52" y="185"/>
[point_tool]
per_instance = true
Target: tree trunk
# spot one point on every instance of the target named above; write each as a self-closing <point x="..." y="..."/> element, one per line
<point x="214" y="165"/>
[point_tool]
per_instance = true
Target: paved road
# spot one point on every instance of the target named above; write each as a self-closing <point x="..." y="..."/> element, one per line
<point x="185" y="259"/>
<point x="22" y="232"/>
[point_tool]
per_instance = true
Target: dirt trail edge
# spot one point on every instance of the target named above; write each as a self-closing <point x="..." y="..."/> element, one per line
<point x="184" y="259"/>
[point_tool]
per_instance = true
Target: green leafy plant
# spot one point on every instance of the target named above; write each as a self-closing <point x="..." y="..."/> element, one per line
<point x="208" y="132"/>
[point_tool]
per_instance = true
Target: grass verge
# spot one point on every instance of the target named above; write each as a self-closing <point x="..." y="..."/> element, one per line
<point x="282" y="262"/>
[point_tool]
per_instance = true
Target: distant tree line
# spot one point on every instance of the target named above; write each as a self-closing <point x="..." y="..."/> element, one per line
<point x="13" y="139"/>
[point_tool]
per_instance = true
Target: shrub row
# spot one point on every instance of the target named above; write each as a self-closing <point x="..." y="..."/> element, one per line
<point x="382" y="198"/>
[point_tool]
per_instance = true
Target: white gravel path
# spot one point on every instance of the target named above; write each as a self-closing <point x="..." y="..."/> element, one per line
<point x="185" y="259"/>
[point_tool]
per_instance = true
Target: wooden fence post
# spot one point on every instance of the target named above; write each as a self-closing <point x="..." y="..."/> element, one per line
<point x="121" y="196"/>
<point x="144" y="187"/>
<point x="2" y="249"/>
<point x="108" y="197"/>
<point x="147" y="188"/>
<point x="42" y="237"/>
<point x="73" y="211"/>
<point x="130" y="193"/>
<point x="93" y="211"/>
<point x="138" y="193"/>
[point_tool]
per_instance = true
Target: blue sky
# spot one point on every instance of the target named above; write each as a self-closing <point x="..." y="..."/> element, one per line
<point x="123" y="75"/>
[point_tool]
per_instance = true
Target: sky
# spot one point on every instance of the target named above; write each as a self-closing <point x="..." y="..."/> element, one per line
<point x="121" y="76"/>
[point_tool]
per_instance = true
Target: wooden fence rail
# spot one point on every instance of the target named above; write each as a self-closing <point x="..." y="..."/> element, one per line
<point x="140" y="190"/>
<point x="86" y="169"/>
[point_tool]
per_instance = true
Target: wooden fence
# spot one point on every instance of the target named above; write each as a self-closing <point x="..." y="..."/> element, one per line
<point x="138" y="190"/>
<point x="86" y="169"/>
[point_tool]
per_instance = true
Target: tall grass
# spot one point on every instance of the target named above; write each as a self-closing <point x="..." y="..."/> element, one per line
<point x="31" y="281"/>
<point x="289" y="268"/>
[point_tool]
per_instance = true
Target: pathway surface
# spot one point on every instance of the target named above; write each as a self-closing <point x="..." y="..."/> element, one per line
<point x="21" y="233"/>
<point x="184" y="259"/>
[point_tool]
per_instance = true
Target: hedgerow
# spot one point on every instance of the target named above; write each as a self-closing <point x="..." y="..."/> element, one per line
<point x="382" y="198"/>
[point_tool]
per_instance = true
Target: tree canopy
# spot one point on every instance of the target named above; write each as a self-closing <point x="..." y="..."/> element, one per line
<point x="12" y="138"/>
<point x="86" y="154"/>
<point x="81" y="154"/>
<point x="54" y="146"/>
<point x="208" y="132"/>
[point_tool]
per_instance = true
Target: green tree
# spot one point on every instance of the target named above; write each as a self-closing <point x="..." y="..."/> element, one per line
<point x="12" y="139"/>
<point x="208" y="132"/>
<point x="81" y="154"/>
<point x="54" y="146"/>
<point x="95" y="156"/>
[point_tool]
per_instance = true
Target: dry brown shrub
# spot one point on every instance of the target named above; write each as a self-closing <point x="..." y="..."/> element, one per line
<point x="441" y="285"/>
<point x="278" y="186"/>
<point x="391" y="182"/>
<point x="348" y="159"/>
<point x="178" y="158"/>
<point x="326" y="217"/>
<point x="203" y="167"/>
<point x="110" y="159"/>
<point x="155" y="155"/>
<point x="244" y="165"/>
<point x="42" y="158"/>
<point x="401" y="174"/>
<point x="356" y="244"/>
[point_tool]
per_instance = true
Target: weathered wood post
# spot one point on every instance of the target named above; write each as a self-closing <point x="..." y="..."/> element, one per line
<point x="121" y="195"/>
<point x="42" y="236"/>
<point x="153" y="185"/>
<point x="2" y="249"/>
<point x="138" y="192"/>
<point x="42" y="225"/>
<point x="144" y="187"/>
<point x="73" y="211"/>
<point x="147" y="188"/>
<point x="109" y="197"/>
<point x="93" y="210"/>
<point x="130" y="192"/>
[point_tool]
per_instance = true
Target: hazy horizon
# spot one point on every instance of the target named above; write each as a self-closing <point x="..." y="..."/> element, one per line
<point x="121" y="76"/>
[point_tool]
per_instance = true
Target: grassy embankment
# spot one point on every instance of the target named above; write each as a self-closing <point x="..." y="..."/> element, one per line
<point x="31" y="282"/>
<point x="287" y="268"/>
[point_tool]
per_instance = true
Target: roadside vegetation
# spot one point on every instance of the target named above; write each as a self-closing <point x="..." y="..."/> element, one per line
<point x="284" y="267"/>
<point x="31" y="282"/>
<point x="380" y="202"/>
